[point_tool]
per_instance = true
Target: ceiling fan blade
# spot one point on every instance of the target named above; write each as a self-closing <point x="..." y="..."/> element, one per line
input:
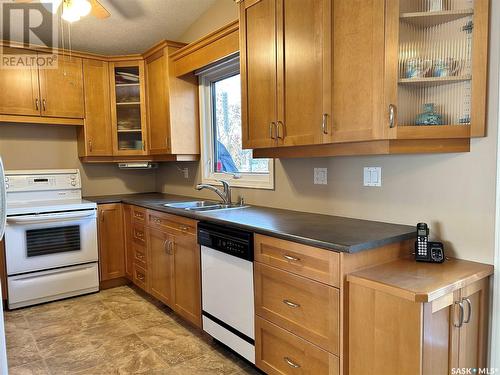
<point x="98" y="10"/>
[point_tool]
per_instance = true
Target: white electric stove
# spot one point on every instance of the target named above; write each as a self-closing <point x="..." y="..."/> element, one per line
<point x="50" y="238"/>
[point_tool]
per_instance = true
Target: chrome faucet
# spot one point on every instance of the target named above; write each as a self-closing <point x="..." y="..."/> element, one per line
<point x="225" y="195"/>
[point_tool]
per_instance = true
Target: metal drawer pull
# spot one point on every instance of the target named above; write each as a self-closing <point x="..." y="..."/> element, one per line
<point x="392" y="115"/>
<point x="291" y="363"/>
<point x="324" y="123"/>
<point x="272" y="127"/>
<point x="139" y="235"/>
<point x="183" y="227"/>
<point x="469" y="309"/>
<point x="140" y="276"/>
<point x="289" y="257"/>
<point x="291" y="304"/>
<point x="461" y="315"/>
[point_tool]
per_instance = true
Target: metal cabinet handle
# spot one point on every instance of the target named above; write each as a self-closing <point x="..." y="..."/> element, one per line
<point x="140" y="276"/>
<point x="171" y="247"/>
<point x="291" y="363"/>
<point x="272" y="130"/>
<point x="324" y="123"/>
<point x="461" y="315"/>
<point x="36" y="104"/>
<point x="90" y="146"/>
<point x="291" y="304"/>
<point x="469" y="309"/>
<point x="44" y="104"/>
<point x="278" y="125"/>
<point x="183" y="228"/>
<point x="143" y="145"/>
<point x="289" y="257"/>
<point x="392" y="115"/>
<point x="165" y="245"/>
<point x="138" y="234"/>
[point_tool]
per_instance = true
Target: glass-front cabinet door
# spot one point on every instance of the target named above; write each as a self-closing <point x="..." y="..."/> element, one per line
<point x="128" y="107"/>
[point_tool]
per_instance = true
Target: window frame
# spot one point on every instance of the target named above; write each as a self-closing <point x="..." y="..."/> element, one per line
<point x="206" y="77"/>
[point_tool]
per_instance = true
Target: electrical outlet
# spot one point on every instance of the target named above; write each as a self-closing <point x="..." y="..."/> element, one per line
<point x="320" y="176"/>
<point x="185" y="172"/>
<point x="372" y="176"/>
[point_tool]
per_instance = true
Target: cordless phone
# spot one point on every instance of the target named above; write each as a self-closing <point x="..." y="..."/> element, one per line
<point x="426" y="251"/>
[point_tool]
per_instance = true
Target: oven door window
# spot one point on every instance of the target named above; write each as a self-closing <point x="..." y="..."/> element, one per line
<point x="52" y="240"/>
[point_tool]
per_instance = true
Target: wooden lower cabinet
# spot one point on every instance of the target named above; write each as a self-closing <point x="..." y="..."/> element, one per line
<point x="278" y="351"/>
<point x="160" y="265"/>
<point x="111" y="241"/>
<point x="186" y="275"/>
<point x="424" y="331"/>
<point x="127" y="236"/>
<point x="306" y="307"/>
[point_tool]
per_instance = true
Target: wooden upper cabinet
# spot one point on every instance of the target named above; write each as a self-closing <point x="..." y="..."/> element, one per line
<point x="258" y="59"/>
<point x="61" y="89"/>
<point x="21" y="95"/>
<point x="358" y="71"/>
<point x="304" y="70"/>
<point x="158" y="106"/>
<point x="160" y="270"/>
<point x="286" y="72"/>
<point x="95" y="139"/>
<point x="172" y="105"/>
<point x="128" y="107"/>
<point x="111" y="249"/>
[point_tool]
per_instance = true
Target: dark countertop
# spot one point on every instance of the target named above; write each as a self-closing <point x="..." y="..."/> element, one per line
<point x="329" y="232"/>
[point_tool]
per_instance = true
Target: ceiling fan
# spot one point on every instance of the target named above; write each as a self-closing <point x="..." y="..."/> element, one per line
<point x="73" y="10"/>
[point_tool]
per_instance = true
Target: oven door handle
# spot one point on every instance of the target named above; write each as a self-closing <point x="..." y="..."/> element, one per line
<point x="49" y="218"/>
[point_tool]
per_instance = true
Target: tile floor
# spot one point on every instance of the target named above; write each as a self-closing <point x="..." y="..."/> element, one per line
<point x="116" y="331"/>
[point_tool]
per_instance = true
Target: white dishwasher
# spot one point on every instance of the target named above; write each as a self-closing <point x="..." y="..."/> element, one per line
<point x="227" y="287"/>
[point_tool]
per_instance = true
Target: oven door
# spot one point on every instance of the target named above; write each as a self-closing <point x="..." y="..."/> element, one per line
<point x="45" y="241"/>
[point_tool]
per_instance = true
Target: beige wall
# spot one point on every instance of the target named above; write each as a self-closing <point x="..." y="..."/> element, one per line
<point x="53" y="147"/>
<point x="454" y="193"/>
<point x="218" y="15"/>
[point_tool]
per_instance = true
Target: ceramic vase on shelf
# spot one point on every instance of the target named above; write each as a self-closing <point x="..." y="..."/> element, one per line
<point x="429" y="116"/>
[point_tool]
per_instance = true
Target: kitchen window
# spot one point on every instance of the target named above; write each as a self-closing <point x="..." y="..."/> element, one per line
<point x="222" y="155"/>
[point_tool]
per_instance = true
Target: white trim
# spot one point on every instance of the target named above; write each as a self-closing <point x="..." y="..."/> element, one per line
<point x="244" y="180"/>
<point x="495" y="321"/>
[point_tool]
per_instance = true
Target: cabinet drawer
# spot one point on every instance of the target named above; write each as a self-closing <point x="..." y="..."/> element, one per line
<point x="317" y="264"/>
<point x="140" y="255"/>
<point x="280" y="352"/>
<point x="139" y="214"/>
<point x="139" y="234"/>
<point x="160" y="220"/>
<point x="140" y="277"/>
<point x="305" y="307"/>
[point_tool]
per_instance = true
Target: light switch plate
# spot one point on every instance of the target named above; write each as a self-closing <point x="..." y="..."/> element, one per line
<point x="320" y="176"/>
<point x="372" y="176"/>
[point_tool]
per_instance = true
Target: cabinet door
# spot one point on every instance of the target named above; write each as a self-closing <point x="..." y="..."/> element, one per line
<point x="474" y="331"/>
<point x="258" y="72"/>
<point x="111" y="248"/>
<point x="358" y="70"/>
<point x="158" y="103"/>
<point x="129" y="250"/>
<point x="128" y="108"/>
<point x="440" y="336"/>
<point x="160" y="261"/>
<point x="304" y="71"/>
<point x="186" y="276"/>
<point x="20" y="88"/>
<point x="97" y="129"/>
<point x="61" y="89"/>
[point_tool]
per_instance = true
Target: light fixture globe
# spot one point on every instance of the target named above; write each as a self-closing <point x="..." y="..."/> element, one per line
<point x="82" y="7"/>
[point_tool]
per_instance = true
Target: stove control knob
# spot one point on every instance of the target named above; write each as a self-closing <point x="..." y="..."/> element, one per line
<point x="73" y="183"/>
<point x="6" y="186"/>
<point x="6" y="179"/>
<point x="73" y="177"/>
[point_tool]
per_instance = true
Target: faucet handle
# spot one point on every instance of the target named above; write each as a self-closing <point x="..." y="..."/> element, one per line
<point x="225" y="184"/>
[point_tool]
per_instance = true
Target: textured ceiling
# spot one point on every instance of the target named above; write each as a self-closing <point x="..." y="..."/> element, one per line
<point x="134" y="25"/>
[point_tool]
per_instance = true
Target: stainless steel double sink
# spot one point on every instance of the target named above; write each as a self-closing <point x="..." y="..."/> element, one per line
<point x="201" y="206"/>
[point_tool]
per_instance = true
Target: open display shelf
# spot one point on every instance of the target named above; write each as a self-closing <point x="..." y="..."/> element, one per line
<point x="435" y="67"/>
